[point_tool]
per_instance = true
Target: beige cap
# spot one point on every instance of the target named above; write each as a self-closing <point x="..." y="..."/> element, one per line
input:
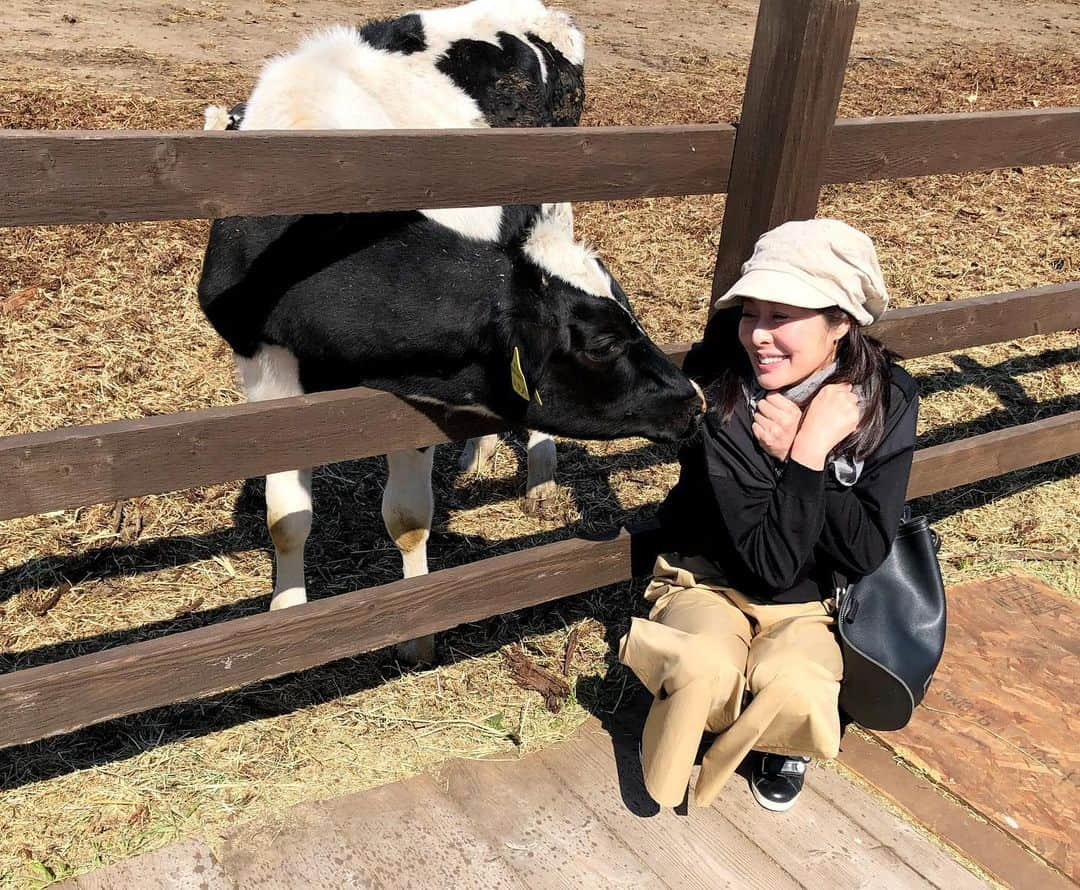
<point x="815" y="264"/>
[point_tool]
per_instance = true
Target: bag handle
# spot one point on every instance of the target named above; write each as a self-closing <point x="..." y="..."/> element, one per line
<point x="840" y="587"/>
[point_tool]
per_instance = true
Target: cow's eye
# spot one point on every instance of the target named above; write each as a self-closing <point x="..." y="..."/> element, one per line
<point x="605" y="351"/>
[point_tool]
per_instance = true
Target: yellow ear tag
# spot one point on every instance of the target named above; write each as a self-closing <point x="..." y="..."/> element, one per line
<point x="517" y="376"/>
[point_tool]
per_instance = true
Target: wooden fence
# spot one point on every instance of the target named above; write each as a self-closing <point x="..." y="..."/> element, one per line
<point x="772" y="168"/>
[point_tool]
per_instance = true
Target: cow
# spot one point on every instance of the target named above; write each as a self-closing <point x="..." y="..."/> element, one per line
<point x="496" y="310"/>
<point x="516" y="80"/>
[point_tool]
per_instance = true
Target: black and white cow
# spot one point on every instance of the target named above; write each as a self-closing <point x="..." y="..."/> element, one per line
<point x="496" y="52"/>
<point x="495" y="309"/>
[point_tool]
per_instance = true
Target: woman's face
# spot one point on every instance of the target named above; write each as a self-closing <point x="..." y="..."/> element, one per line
<point x="786" y="344"/>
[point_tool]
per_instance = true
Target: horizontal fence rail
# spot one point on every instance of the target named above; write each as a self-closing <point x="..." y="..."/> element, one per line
<point x="873" y="148"/>
<point x="55" y="177"/>
<point x="917" y="331"/>
<point x="51" y="699"/>
<point x="85" y="177"/>
<point x="993" y="454"/>
<point x="77" y="466"/>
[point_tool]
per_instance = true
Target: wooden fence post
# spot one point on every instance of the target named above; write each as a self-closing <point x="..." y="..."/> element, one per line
<point x="792" y="91"/>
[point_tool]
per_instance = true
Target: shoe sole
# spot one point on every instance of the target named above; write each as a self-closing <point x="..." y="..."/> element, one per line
<point x="772" y="805"/>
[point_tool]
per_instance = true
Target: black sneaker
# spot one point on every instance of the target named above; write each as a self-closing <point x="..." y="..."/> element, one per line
<point x="776" y="780"/>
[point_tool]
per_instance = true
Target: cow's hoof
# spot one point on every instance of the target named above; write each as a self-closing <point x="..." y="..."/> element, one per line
<point x="477" y="454"/>
<point x="418" y="651"/>
<point x="286" y="598"/>
<point x="540" y="500"/>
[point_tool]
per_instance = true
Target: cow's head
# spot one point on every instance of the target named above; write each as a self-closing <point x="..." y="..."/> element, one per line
<point x="576" y="362"/>
<point x="521" y="62"/>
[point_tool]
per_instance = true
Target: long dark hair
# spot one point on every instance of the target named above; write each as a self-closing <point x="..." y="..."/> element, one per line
<point x="721" y="364"/>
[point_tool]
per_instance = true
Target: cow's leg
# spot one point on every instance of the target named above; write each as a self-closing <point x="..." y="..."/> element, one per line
<point x="540" y="487"/>
<point x="272" y="373"/>
<point x="407" y="508"/>
<point x="478" y="452"/>
<point x="288" y="516"/>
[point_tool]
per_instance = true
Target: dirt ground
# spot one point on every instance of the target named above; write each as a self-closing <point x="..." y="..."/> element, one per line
<point x="140" y="41"/>
<point x="100" y="323"/>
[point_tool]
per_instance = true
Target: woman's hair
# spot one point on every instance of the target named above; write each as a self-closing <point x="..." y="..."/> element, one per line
<point x="860" y="360"/>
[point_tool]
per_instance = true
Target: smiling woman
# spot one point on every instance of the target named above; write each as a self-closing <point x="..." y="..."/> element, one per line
<point x="796" y="320"/>
<point x="786" y="344"/>
<point x="796" y="487"/>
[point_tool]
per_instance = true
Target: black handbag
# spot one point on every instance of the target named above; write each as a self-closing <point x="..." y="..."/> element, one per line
<point x="891" y="625"/>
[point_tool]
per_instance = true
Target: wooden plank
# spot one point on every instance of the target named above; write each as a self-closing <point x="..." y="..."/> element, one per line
<point x="993" y="454"/>
<point x="953" y="823"/>
<point x="865" y="149"/>
<point x="99" y="176"/>
<point x="403" y="835"/>
<point x="189" y="865"/>
<point x="818" y="843"/>
<point x="999" y="724"/>
<point x="551" y="840"/>
<point x="865" y="810"/>
<point x="298" y="849"/>
<point x="698" y="850"/>
<point x="55" y="698"/>
<point x="75" y="466"/>
<point x="57" y="177"/>
<point x="792" y="91"/>
<point x="916" y="331"/>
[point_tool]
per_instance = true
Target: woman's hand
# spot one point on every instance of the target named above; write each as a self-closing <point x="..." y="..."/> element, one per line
<point x="832" y="416"/>
<point x="776" y="423"/>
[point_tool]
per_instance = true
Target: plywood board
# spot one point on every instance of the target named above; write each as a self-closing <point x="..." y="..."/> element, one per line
<point x="184" y="866"/>
<point x="1000" y="726"/>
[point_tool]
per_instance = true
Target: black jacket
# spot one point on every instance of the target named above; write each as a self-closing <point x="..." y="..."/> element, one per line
<point x="782" y="532"/>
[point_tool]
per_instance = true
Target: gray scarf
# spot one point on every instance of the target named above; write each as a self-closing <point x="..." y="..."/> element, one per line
<point x="846" y="470"/>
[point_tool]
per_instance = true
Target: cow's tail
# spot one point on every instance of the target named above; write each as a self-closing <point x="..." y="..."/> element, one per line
<point x="216" y="117"/>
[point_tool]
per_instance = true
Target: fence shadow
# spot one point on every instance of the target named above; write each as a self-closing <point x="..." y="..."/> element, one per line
<point x="357" y="553"/>
<point x="614" y="697"/>
<point x="999" y="419"/>
<point x="1000" y="377"/>
<point x="349" y="548"/>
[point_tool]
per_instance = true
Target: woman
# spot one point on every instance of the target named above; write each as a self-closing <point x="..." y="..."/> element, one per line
<point x="796" y="487"/>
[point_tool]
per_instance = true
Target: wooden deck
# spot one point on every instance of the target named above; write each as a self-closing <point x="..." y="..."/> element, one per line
<point x="572" y="816"/>
<point x="1000" y="722"/>
<point x="996" y="733"/>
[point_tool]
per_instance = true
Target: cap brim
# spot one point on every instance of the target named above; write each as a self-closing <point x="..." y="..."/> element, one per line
<point x="772" y="286"/>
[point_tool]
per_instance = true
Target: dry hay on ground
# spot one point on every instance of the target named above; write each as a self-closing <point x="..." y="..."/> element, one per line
<point x="100" y="322"/>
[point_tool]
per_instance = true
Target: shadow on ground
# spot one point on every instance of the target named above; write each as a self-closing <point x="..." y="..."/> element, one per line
<point x="348" y="537"/>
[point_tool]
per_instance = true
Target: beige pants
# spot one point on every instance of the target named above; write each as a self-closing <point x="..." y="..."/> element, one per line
<point x="705" y="650"/>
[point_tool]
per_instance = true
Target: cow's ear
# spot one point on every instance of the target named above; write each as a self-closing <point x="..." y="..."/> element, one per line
<point x="518" y="381"/>
<point x="517" y="222"/>
<point x="530" y="350"/>
<point x="561" y="214"/>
